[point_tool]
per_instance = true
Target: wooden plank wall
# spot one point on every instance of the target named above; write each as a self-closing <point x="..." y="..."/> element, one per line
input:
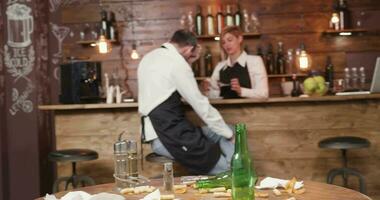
<point x="290" y="21"/>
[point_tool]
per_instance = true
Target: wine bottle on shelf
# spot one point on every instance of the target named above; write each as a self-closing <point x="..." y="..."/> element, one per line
<point x="362" y="77"/>
<point x="269" y="60"/>
<point x="280" y="59"/>
<point x="196" y="68"/>
<point x="247" y="49"/>
<point x="210" y="22"/>
<point x="260" y="52"/>
<point x="114" y="34"/>
<point x="344" y="15"/>
<point x="219" y="20"/>
<point x="354" y="78"/>
<point x="329" y="73"/>
<point x="296" y="89"/>
<point x="104" y="29"/>
<point x="229" y="17"/>
<point x="242" y="172"/>
<point x="208" y="62"/>
<point x="238" y="16"/>
<point x="199" y="21"/>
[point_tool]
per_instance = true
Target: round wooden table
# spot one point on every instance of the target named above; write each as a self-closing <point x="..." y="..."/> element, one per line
<point x="314" y="191"/>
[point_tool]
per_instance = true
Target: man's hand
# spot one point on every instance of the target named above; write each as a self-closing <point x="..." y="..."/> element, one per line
<point x="235" y="86"/>
<point x="232" y="139"/>
<point x="195" y="54"/>
<point x="205" y="87"/>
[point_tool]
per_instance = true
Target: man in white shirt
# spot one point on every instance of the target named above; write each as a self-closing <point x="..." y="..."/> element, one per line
<point x="164" y="76"/>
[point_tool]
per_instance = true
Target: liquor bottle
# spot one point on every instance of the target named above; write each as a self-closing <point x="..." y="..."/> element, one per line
<point x="208" y="61"/>
<point x="295" y="91"/>
<point x="362" y="78"/>
<point x="237" y="16"/>
<point x="196" y="68"/>
<point x="247" y="49"/>
<point x="113" y="27"/>
<point x="199" y="21"/>
<point x="229" y="18"/>
<point x="280" y="59"/>
<point x="347" y="79"/>
<point x="243" y="175"/>
<point x="260" y="52"/>
<point x="219" y="20"/>
<point x="344" y="15"/>
<point x="210" y="22"/>
<point x="354" y="78"/>
<point x="269" y="60"/>
<point x="329" y="73"/>
<point x="220" y="180"/>
<point x="104" y="24"/>
<point x="290" y="62"/>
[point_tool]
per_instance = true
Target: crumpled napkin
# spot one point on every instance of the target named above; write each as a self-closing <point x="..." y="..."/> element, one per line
<point x="270" y="183"/>
<point x="155" y="195"/>
<point x="80" y="195"/>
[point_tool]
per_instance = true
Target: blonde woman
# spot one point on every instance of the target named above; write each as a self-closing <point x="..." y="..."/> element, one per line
<point x="240" y="75"/>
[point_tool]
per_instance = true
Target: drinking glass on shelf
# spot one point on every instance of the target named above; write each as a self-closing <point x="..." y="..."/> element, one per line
<point x="339" y="85"/>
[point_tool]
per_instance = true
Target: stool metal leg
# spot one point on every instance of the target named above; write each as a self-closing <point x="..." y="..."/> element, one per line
<point x="362" y="185"/>
<point x="85" y="179"/>
<point x="57" y="182"/>
<point x="332" y="173"/>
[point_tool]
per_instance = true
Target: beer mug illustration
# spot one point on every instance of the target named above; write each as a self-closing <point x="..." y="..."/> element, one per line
<point x="20" y="25"/>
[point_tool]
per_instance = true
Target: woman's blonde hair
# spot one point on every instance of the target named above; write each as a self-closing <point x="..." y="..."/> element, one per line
<point x="234" y="30"/>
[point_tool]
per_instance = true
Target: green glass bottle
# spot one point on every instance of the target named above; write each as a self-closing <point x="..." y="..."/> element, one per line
<point x="243" y="174"/>
<point x="220" y="180"/>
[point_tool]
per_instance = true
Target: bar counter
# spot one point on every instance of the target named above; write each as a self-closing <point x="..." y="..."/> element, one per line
<point x="283" y="134"/>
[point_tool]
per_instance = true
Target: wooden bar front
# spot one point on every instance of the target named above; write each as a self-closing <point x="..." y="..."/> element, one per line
<point x="283" y="135"/>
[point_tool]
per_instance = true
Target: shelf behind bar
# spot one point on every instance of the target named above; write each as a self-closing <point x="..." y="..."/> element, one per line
<point x="89" y="42"/>
<point x="269" y="76"/>
<point x="345" y="32"/>
<point x="210" y="37"/>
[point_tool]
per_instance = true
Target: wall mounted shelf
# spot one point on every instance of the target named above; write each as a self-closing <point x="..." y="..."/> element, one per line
<point x="345" y="32"/>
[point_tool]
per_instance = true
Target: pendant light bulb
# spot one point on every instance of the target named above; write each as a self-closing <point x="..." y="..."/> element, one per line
<point x="134" y="54"/>
<point x="335" y="18"/>
<point x="304" y="60"/>
<point x="103" y="45"/>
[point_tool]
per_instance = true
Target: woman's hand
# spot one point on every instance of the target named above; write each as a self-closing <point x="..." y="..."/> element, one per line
<point x="235" y="86"/>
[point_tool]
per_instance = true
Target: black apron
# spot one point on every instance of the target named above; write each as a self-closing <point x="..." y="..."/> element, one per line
<point x="228" y="73"/>
<point x="185" y="142"/>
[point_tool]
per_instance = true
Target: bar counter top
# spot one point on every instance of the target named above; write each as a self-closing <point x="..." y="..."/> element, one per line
<point x="217" y="102"/>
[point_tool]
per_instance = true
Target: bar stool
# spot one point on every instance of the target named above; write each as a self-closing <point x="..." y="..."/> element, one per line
<point x="73" y="156"/>
<point x="344" y="143"/>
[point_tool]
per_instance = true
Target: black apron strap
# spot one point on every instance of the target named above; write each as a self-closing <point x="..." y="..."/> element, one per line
<point x="142" y="140"/>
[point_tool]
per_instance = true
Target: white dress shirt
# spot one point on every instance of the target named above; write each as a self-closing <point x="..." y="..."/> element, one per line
<point x="164" y="71"/>
<point x="257" y="74"/>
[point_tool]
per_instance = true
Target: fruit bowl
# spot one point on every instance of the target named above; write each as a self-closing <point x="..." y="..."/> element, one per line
<point x="315" y="86"/>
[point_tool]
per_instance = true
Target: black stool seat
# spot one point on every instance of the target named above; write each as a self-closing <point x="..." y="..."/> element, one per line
<point x="73" y="155"/>
<point x="155" y="158"/>
<point x="344" y="142"/>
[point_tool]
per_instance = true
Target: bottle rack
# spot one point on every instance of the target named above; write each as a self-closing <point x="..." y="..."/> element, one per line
<point x="201" y="78"/>
<point x="345" y="32"/>
<point x="90" y="42"/>
<point x="215" y="37"/>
